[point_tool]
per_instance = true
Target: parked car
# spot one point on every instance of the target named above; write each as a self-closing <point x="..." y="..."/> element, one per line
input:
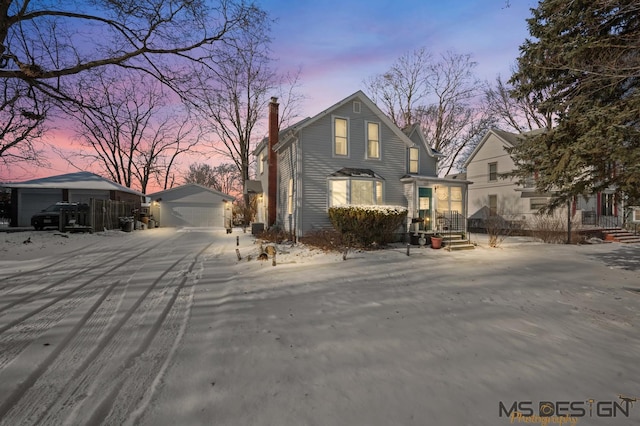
<point x="50" y="217"/>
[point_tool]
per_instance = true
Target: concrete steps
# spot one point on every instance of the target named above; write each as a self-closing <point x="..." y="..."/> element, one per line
<point x="456" y="242"/>
<point x="620" y="235"/>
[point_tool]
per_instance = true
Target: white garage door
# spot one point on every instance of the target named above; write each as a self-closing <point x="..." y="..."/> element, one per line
<point x="31" y="201"/>
<point x="175" y="214"/>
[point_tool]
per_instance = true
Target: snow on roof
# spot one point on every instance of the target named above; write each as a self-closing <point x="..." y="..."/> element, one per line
<point x="79" y="180"/>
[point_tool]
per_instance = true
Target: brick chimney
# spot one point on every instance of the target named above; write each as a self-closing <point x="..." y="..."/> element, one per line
<point x="272" y="185"/>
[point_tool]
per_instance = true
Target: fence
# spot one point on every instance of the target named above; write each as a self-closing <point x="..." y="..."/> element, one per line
<point x="106" y="214"/>
<point x="593" y="219"/>
<point x="450" y="220"/>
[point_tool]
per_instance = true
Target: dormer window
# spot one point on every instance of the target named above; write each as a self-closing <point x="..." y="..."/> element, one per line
<point x="414" y="160"/>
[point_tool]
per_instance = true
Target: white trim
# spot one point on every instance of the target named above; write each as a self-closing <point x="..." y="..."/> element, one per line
<point x="409" y="160"/>
<point x="366" y="142"/>
<point x="333" y="136"/>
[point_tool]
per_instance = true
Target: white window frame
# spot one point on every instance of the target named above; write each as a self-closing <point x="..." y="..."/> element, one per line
<point x="334" y="136"/>
<point x="261" y="163"/>
<point x="416" y="161"/>
<point x="495" y="178"/>
<point x="536" y="203"/>
<point x="369" y="140"/>
<point x="377" y="188"/>
<point x="290" y="197"/>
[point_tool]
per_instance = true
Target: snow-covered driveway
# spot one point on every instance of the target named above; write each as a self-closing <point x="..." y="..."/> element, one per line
<point x="165" y="328"/>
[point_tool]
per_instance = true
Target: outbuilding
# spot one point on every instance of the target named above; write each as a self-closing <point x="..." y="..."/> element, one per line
<point x="191" y="205"/>
<point x="32" y="196"/>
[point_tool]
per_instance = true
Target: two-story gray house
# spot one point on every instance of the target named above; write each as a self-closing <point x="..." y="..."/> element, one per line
<point x="352" y="154"/>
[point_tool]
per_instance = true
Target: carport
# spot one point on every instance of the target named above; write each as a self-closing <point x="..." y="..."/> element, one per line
<point x="32" y="196"/>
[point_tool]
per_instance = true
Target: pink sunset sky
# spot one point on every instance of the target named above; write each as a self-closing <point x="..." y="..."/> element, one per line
<point x="338" y="44"/>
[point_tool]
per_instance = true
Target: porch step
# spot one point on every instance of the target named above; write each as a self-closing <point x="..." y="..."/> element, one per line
<point x="621" y="236"/>
<point x="455" y="242"/>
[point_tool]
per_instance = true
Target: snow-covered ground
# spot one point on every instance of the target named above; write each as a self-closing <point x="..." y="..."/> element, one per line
<point x="166" y="327"/>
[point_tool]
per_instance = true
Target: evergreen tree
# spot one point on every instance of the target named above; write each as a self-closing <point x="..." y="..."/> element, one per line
<point x="584" y="56"/>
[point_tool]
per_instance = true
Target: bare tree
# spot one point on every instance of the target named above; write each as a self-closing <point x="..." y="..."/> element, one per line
<point x="47" y="45"/>
<point x="516" y="114"/>
<point x="404" y="87"/>
<point x="224" y="177"/>
<point x="442" y="95"/>
<point x="233" y="96"/>
<point x="22" y="116"/>
<point x="41" y="43"/>
<point x="454" y="119"/>
<point x="130" y="129"/>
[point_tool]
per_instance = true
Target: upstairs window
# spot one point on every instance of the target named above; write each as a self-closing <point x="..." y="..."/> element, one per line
<point x="493" y="172"/>
<point x="373" y="140"/>
<point x="340" y="137"/>
<point x="261" y="163"/>
<point x="414" y="157"/>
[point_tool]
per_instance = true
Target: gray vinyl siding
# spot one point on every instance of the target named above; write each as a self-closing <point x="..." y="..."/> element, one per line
<point x="427" y="163"/>
<point x="318" y="162"/>
<point x="286" y="171"/>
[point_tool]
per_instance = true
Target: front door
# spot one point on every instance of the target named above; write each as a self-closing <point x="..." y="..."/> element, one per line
<point x="424" y="208"/>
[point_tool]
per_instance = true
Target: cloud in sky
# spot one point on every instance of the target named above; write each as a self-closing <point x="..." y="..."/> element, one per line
<point x="340" y="43"/>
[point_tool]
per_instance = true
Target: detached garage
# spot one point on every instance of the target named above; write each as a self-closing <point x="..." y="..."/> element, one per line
<point x="191" y="205"/>
<point x="30" y="197"/>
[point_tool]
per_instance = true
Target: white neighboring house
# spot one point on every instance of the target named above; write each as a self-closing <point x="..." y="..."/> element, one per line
<point x="491" y="195"/>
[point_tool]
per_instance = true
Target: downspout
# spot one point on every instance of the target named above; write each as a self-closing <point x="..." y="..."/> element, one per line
<point x="298" y="190"/>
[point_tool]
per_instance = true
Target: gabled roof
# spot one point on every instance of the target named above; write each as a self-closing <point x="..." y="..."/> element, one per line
<point x="507" y="138"/>
<point x="288" y="134"/>
<point x="159" y="194"/>
<point x="281" y="135"/>
<point x="416" y="129"/>
<point x="79" y="180"/>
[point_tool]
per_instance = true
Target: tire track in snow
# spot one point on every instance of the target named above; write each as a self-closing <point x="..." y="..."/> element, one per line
<point x="86" y="376"/>
<point x="32" y="324"/>
<point x="62" y="296"/>
<point x="37" y="273"/>
<point x="37" y="402"/>
<point x="139" y="369"/>
<point x="39" y="371"/>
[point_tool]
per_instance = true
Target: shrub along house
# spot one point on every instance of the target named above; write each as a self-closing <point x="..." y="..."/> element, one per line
<point x="352" y="154"/>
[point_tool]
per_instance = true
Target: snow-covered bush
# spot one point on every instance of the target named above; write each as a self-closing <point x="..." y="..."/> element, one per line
<point x="366" y="225"/>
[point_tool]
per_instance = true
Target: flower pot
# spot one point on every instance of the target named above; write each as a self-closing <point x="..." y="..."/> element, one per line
<point x="436" y="242"/>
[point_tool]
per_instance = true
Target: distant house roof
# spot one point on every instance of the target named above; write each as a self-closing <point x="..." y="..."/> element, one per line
<point x="253" y="187"/>
<point x="353" y="172"/>
<point x="188" y="190"/>
<point x="79" y="180"/>
<point x="508" y="138"/>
